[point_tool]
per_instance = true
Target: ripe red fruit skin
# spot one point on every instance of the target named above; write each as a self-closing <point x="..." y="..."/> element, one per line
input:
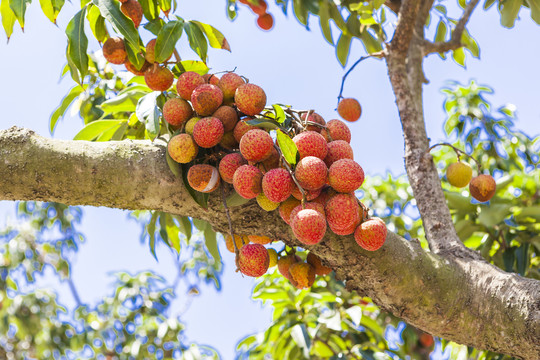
<point x="482" y="187"/>
<point x="286" y="207"/>
<point x="139" y="72"/>
<point x="241" y="128"/>
<point x="336" y="130"/>
<point x="349" y="109"/>
<point x="260" y="8"/>
<point x="208" y="132"/>
<point x="133" y="10"/>
<point x="371" y="234"/>
<point x="176" y="111"/>
<point x="316" y="118"/>
<point x="158" y="78"/>
<point x="256" y="145"/>
<point x="277" y="185"/>
<point x="311" y="143"/>
<point x="253" y="260"/>
<point x="265" y="21"/>
<point x="345" y="175"/>
<point x="250" y="99"/>
<point x="228" y="84"/>
<point x="182" y="148"/>
<point x="309" y="226"/>
<point x="308" y="205"/>
<point x="310" y="194"/>
<point x="228" y="166"/>
<point x="228" y="117"/>
<point x="203" y="178"/>
<point x="311" y="172"/>
<point x="337" y="150"/>
<point x="114" y="50"/>
<point x="206" y="99"/>
<point x="247" y="181"/>
<point x="212" y="79"/>
<point x="187" y="82"/>
<point x="342" y="210"/>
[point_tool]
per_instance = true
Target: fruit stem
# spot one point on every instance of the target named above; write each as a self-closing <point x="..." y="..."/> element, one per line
<point x="231" y="231"/>
<point x="286" y="164"/>
<point x="177" y="56"/>
<point x="458" y="152"/>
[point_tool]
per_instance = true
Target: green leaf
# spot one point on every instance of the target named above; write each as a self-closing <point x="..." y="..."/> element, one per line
<point x="154" y="26"/>
<point x="114" y="133"/>
<point x="300" y="11"/>
<point x="97" y="23"/>
<point x="125" y="101"/>
<point x="508" y="259"/>
<point x="442" y="29"/>
<point x="148" y="112"/>
<point x="184" y="226"/>
<point x="19" y="9"/>
<point x="470" y="44"/>
<point x="494" y="214"/>
<point x="280" y="113"/>
<point x="215" y="38"/>
<point x="324" y="21"/>
<point x="150" y="9"/>
<point x="488" y="4"/>
<point x="151" y="230"/>
<point x="509" y="10"/>
<point x="78" y="42"/>
<point x="96" y="128"/>
<point x="173" y="165"/>
<point x="264" y="123"/>
<point x="8" y="17"/>
<point x="211" y="243"/>
<point x="522" y="258"/>
<point x="110" y="10"/>
<point x="342" y="48"/>
<point x="135" y="55"/>
<point x="534" y="5"/>
<point x="236" y="200"/>
<point x="459" y="56"/>
<point x="196" y="39"/>
<point x="301" y="337"/>
<point x="167" y="39"/>
<point x="165" y="5"/>
<point x="72" y="68"/>
<point x="288" y="147"/>
<point x="172" y="232"/>
<point x="335" y="14"/>
<point x="73" y="93"/>
<point x="371" y="44"/>
<point x="51" y="8"/>
<point x="190" y="65"/>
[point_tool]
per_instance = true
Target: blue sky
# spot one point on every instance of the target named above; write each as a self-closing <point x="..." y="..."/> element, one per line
<point x="294" y="66"/>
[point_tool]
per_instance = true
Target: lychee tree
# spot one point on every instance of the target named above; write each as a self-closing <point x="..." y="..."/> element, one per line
<point x="174" y="159"/>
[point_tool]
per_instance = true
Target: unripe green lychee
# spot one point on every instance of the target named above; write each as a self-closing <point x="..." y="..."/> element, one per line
<point x="310" y="194"/>
<point x="241" y="128"/>
<point x="253" y="260"/>
<point x="150" y="55"/>
<point x="182" y="148"/>
<point x="187" y="82"/>
<point x="258" y="239"/>
<point x="229" y="164"/>
<point x="228" y="117"/>
<point x="337" y="150"/>
<point x="247" y="181"/>
<point x="286" y="207"/>
<point x="309" y="226"/>
<point x="315" y="118"/>
<point x="158" y="78"/>
<point x="277" y="184"/>
<point x="203" y="178"/>
<point x="139" y="72"/>
<point x="459" y="174"/>
<point x="191" y="124"/>
<point x="336" y="130"/>
<point x="482" y="187"/>
<point x="240" y="240"/>
<point x="303" y="275"/>
<point x="266" y="204"/>
<point x="349" y="109"/>
<point x="176" y="111"/>
<point x="345" y="175"/>
<point x="342" y="210"/>
<point x="133" y="10"/>
<point x="228" y="141"/>
<point x="228" y="84"/>
<point x="285" y="262"/>
<point x="315" y="261"/>
<point x="311" y="143"/>
<point x="114" y="50"/>
<point x="256" y="145"/>
<point x="371" y="234"/>
<point x="212" y="79"/>
<point x="272" y="255"/>
<point x="208" y="132"/>
<point x="311" y="172"/>
<point x="206" y="99"/>
<point x="307" y="205"/>
<point x="250" y="99"/>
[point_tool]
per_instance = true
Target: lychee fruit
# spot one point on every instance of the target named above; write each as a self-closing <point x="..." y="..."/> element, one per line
<point x="139" y="72"/>
<point x="114" y="50"/>
<point x="240" y="240"/>
<point x="256" y="145"/>
<point x="259" y="8"/>
<point x="257" y="239"/>
<point x="228" y="141"/>
<point x="265" y="21"/>
<point x="308" y="205"/>
<point x="371" y="234"/>
<point x="345" y="175"/>
<point x="310" y="194"/>
<point x="212" y="79"/>
<point x="285" y="262"/>
<point x="349" y="109"/>
<point x="277" y="184"/>
<point x="482" y="187"/>
<point x="459" y="174"/>
<point x="342" y="210"/>
<point x="158" y="78"/>
<point x="176" y="111"/>
<point x="247" y="181"/>
<point x="309" y="226"/>
<point x="187" y="82"/>
<point x="206" y="99"/>
<point x="303" y="275"/>
<point x="241" y="128"/>
<point x="286" y="207"/>
<point x="203" y="178"/>
<point x="228" y="165"/>
<point x="315" y="261"/>
<point x="150" y="52"/>
<point x="228" y="117"/>
<point x="208" y="132"/>
<point x="191" y="124"/>
<point x="228" y="84"/>
<point x="133" y="10"/>
<point x="269" y="163"/>
<point x="311" y="143"/>
<point x="311" y="173"/>
<point x="337" y="150"/>
<point x="336" y="130"/>
<point x="182" y="148"/>
<point x="266" y="204"/>
<point x="315" y="118"/>
<point x="253" y="260"/>
<point x="272" y="255"/>
<point x="250" y="99"/>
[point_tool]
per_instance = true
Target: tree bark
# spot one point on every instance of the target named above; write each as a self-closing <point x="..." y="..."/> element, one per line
<point x="465" y="300"/>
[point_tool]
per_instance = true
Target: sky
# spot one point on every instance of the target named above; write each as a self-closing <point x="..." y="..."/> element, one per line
<point x="294" y="66"/>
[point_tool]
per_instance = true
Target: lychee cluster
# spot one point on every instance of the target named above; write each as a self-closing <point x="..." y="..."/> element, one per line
<point x="481" y="187"/>
<point x="265" y="21"/>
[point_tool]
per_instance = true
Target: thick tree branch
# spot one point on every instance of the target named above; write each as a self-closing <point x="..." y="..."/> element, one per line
<point x="405" y="26"/>
<point x="467" y="301"/>
<point x="455" y="41"/>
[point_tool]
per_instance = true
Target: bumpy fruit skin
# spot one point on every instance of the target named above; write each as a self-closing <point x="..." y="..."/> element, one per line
<point x="308" y="205"/>
<point x="345" y="175"/>
<point x="315" y="261"/>
<point x="310" y="194"/>
<point x="133" y="10"/>
<point x="272" y="255"/>
<point x="286" y="207"/>
<point x="265" y="21"/>
<point x="114" y="50"/>
<point x="228" y="165"/>
<point x="228" y="141"/>
<point x="482" y="187"/>
<point x="370" y="234"/>
<point x="228" y="117"/>
<point x="182" y="148"/>
<point x="311" y="143"/>
<point x="158" y="78"/>
<point x="240" y="240"/>
<point x="337" y="150"/>
<point x="208" y="132"/>
<point x="336" y="130"/>
<point x="203" y="178"/>
<point x="303" y="274"/>
<point x="266" y="204"/>
<point x="253" y="260"/>
<point x="256" y="145"/>
<point x="257" y="239"/>
<point x="132" y="69"/>
<point x="349" y="109"/>
<point x="212" y="79"/>
<point x="285" y="262"/>
<point x="187" y="82"/>
<point x="277" y="184"/>
<point x="316" y="118"/>
<point x="309" y="226"/>
<point x="191" y="124"/>
<point x="247" y="181"/>
<point x="206" y="99"/>
<point x="176" y="111"/>
<point x="342" y="211"/>
<point x="228" y="84"/>
<point x="459" y="174"/>
<point x="241" y="128"/>
<point x="250" y="99"/>
<point x="311" y="172"/>
<point x="269" y="163"/>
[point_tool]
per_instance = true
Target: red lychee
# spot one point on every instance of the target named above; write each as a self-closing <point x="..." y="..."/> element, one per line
<point x="482" y="187"/>
<point x="308" y="205"/>
<point x="315" y="261"/>
<point x="345" y="175"/>
<point x="277" y="184"/>
<point x="315" y="118"/>
<point x="203" y="178"/>
<point x="253" y="260"/>
<point x="247" y="181"/>
<point x="336" y="130"/>
<point x="228" y="117"/>
<point x="187" y="82"/>
<point x="208" y="132"/>
<point x="303" y="275"/>
<point x="285" y="262"/>
<point x="342" y="210"/>
<point x="286" y="207"/>
<point x="250" y="99"/>
<point x="229" y="164"/>
<point x="158" y="78"/>
<point x="240" y="241"/>
<point x="349" y="109"/>
<point x="206" y="99"/>
<point x="310" y="194"/>
<point x="228" y="141"/>
<point x="133" y="10"/>
<point x="241" y="128"/>
<point x="182" y="148"/>
<point x="212" y="79"/>
<point x="265" y="21"/>
<point x="269" y="163"/>
<point x="114" y="50"/>
<point x="337" y="150"/>
<point x="228" y="84"/>
<point x="256" y="145"/>
<point x="311" y="173"/>
<point x="258" y="239"/>
<point x="176" y="111"/>
<point x="311" y="143"/>
<point x="309" y="226"/>
<point x="371" y="234"/>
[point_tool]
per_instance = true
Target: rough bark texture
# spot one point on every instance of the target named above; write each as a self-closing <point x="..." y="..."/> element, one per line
<point x="464" y="300"/>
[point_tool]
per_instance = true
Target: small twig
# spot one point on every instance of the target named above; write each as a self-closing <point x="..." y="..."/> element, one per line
<point x="377" y="54"/>
<point x="74" y="291"/>
<point x="288" y="167"/>
<point x="231" y="231"/>
<point x="177" y="56"/>
<point x="458" y="152"/>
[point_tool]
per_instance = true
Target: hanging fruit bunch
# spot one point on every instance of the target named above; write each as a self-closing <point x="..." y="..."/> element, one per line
<point x="265" y="21"/>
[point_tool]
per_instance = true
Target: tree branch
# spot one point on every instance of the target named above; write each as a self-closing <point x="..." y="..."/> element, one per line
<point x="405" y="26"/>
<point x="464" y="300"/>
<point x="455" y="41"/>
